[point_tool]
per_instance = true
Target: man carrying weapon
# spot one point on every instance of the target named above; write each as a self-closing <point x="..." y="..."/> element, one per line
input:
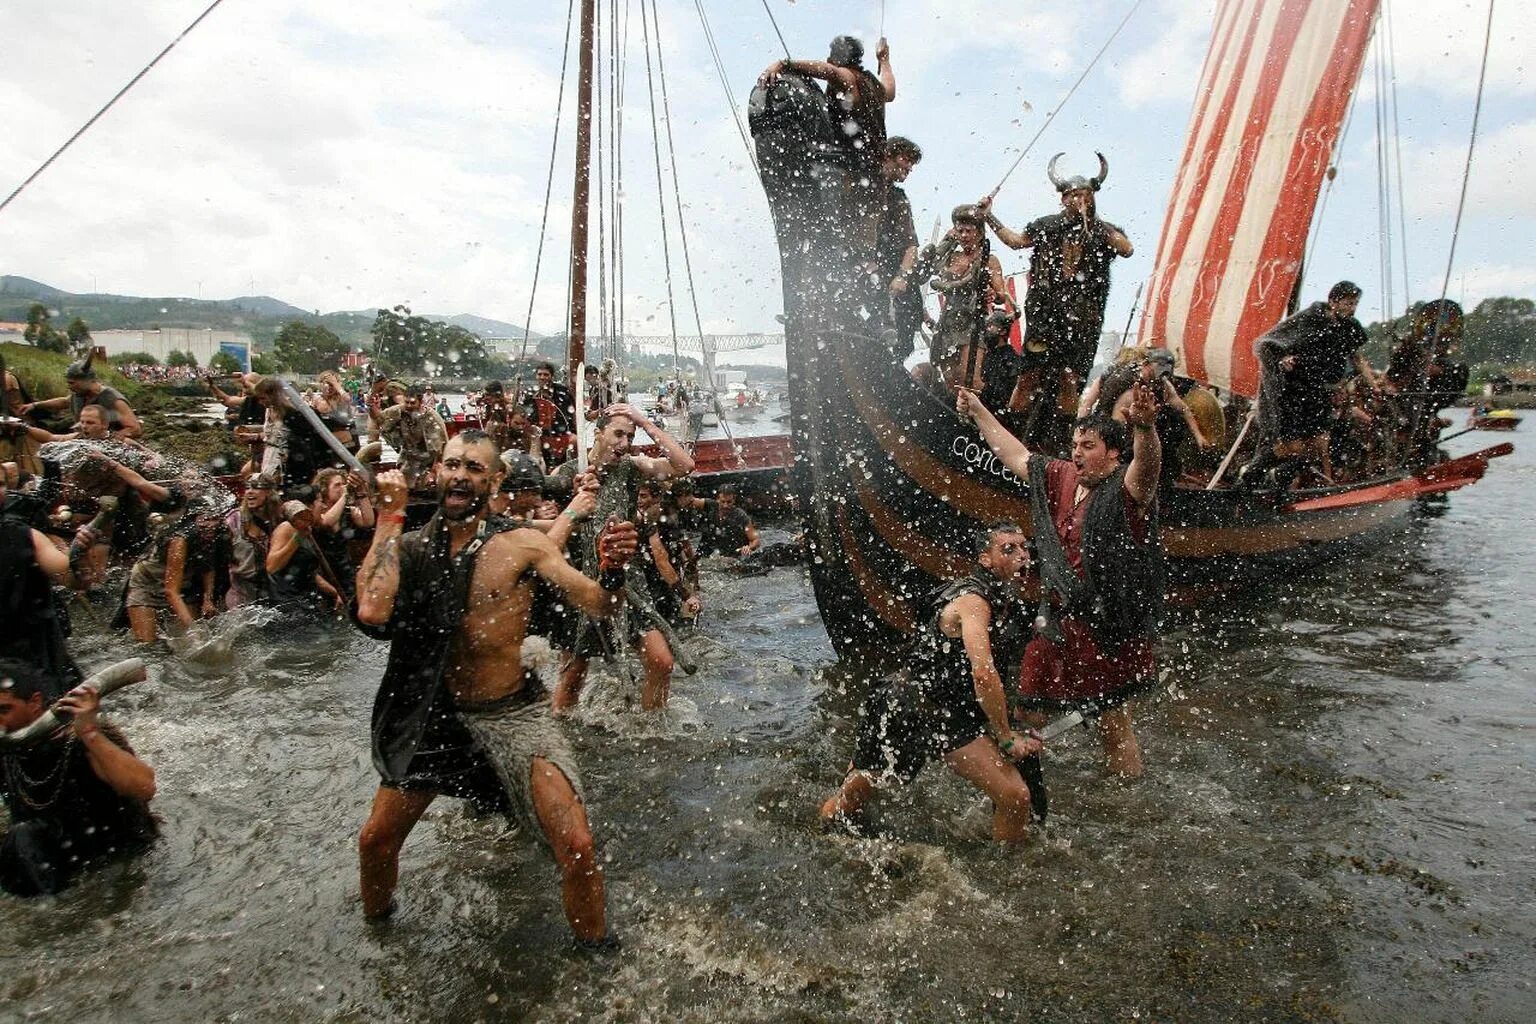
<point x="460" y="712"/>
<point x="951" y="701"/>
<point x="970" y="281"/>
<point x="1068" y="288"/>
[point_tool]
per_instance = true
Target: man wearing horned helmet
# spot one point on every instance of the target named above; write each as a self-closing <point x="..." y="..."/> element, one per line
<point x="1068" y="285"/>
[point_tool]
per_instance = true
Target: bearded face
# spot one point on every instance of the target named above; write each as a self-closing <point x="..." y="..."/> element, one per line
<point x="466" y="477"/>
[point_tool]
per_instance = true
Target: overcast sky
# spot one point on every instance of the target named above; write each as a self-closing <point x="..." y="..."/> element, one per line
<point x="348" y="155"/>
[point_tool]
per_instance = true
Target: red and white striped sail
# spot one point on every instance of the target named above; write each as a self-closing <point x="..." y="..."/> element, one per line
<point x="1274" y="90"/>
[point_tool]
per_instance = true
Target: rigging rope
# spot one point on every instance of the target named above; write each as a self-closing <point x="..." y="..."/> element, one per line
<point x="1397" y="146"/>
<point x="549" y="184"/>
<point x="1466" y="174"/>
<point x="682" y="223"/>
<point x="661" y="201"/>
<point x="1052" y="115"/>
<point x="725" y="84"/>
<point x="109" y="105"/>
<point x="1383" y="183"/>
<point x="776" y="31"/>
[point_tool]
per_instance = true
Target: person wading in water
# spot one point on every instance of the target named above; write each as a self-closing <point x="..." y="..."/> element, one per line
<point x="458" y="712"/>
<point x="1095" y="526"/>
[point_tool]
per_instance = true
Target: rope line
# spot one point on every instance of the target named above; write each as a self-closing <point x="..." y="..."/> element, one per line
<point x="775" y="22"/>
<point x="1397" y="146"/>
<point x="1052" y="115"/>
<point x="661" y="200"/>
<point x="682" y="228"/>
<point x="549" y="185"/>
<point x="724" y="79"/>
<point x="1466" y="174"/>
<point x="109" y="105"/>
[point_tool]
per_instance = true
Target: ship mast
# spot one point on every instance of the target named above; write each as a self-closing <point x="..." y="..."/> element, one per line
<point x="576" y="345"/>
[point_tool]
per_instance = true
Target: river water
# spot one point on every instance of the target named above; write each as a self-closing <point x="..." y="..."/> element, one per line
<point x="1336" y="824"/>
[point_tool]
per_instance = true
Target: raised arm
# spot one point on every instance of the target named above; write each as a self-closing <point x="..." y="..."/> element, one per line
<point x="146" y="488"/>
<point x="117" y="766"/>
<point x="677" y="463"/>
<point x="1009" y="237"/>
<point x="1008" y="448"/>
<point x="378" y="580"/>
<point x="887" y="76"/>
<point x="1146" y="448"/>
<point x="816" y="69"/>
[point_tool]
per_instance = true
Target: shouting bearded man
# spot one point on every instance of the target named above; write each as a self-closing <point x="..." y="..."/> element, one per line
<point x="458" y="711"/>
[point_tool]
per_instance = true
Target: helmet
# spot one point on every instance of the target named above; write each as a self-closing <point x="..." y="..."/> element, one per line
<point x="523" y="473"/>
<point x="1077" y="182"/>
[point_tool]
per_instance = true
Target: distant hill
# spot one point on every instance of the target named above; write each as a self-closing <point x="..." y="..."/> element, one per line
<point x="261" y="316"/>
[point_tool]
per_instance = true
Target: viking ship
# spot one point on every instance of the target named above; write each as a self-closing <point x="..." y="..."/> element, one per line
<point x="891" y="482"/>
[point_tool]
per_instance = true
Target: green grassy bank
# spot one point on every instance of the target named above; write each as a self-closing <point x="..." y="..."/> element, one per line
<point x="162" y="412"/>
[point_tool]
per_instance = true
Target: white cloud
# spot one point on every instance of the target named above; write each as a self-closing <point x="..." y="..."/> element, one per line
<point x="346" y="155"/>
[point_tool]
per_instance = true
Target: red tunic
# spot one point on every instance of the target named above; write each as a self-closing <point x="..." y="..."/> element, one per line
<point x="1075" y="668"/>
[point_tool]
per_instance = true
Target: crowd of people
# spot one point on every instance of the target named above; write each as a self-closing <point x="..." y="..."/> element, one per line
<point x="592" y="557"/>
<point x="476" y="555"/>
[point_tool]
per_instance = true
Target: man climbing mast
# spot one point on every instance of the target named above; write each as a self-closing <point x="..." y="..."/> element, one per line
<point x="1064" y="310"/>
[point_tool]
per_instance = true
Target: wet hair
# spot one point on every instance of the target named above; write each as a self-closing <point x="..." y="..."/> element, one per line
<point x="545" y="366"/>
<point x="474" y="435"/>
<point x="522" y="472"/>
<point x="601" y="423"/>
<point x="725" y="489"/>
<point x="21" y="680"/>
<point x="323" y="479"/>
<point x="682" y="488"/>
<point x="900" y="145"/>
<point x="1110" y="430"/>
<point x="846" y="52"/>
<point x="967" y="213"/>
<point x="268" y="387"/>
<point x="493" y="387"/>
<point x="1344" y="290"/>
<point x="415" y="390"/>
<point x="981" y="537"/>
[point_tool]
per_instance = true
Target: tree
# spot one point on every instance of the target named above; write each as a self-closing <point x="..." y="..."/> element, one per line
<point x="135" y="358"/>
<point x="41" y="333"/>
<point x="404" y="341"/>
<point x="1501" y="330"/>
<point x="263" y="364"/>
<point x="308" y="348"/>
<point x="79" y="335"/>
<point x="176" y="357"/>
<point x="223" y="362"/>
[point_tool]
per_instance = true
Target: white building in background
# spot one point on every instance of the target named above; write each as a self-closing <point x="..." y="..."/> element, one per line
<point x="201" y="342"/>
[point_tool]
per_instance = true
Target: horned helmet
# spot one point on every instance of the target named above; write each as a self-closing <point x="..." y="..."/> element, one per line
<point x="1077" y="182"/>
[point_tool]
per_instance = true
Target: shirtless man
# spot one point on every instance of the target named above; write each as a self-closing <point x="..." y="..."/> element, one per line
<point x="457" y="708"/>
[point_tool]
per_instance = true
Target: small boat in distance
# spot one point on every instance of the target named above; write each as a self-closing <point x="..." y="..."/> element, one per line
<point x="1483" y="418"/>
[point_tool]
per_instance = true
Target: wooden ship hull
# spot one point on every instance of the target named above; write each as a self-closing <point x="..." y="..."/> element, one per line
<point x="892" y="482"/>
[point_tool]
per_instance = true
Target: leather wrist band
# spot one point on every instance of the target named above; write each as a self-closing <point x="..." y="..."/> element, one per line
<point x="611" y="578"/>
<point x="392" y="517"/>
